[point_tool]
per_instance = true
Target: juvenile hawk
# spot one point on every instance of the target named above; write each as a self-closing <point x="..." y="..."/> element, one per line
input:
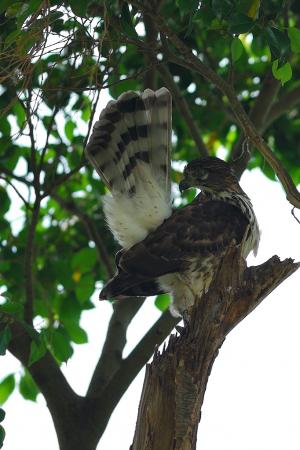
<point x="164" y="250"/>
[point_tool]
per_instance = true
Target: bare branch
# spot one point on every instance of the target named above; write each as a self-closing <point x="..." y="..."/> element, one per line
<point x="176" y="380"/>
<point x="92" y="118"/>
<point x="131" y="366"/>
<point x="258" y="283"/>
<point x="111" y="356"/>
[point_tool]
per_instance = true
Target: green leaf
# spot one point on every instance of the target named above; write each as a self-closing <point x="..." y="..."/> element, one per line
<point x="27" y="387"/>
<point x="7" y="386"/>
<point x="294" y="35"/>
<point x="37" y="349"/>
<point x="69" y="129"/>
<point x="240" y="23"/>
<point x="86" y="113"/>
<point x="4" y="5"/>
<point x="126" y="22"/>
<point x="5" y="126"/>
<point x="2" y="415"/>
<point x="278" y="42"/>
<point x="85" y="288"/>
<point x="13" y="308"/>
<point x="222" y="7"/>
<point x="11" y="38"/>
<point x="5" y="337"/>
<point x="187" y="7"/>
<point x="254" y="9"/>
<point x="79" y="7"/>
<point x="283" y="73"/>
<point x="237" y="49"/>
<point x="25" y="42"/>
<point x="20" y="114"/>
<point x="31" y="8"/>
<point x="84" y="260"/>
<point x="162" y="301"/>
<point x="16" y="9"/>
<point x="76" y="333"/>
<point x="60" y="346"/>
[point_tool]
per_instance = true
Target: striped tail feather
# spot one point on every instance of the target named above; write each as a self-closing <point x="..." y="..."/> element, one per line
<point x="130" y="149"/>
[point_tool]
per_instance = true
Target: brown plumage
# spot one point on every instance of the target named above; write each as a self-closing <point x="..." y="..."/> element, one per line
<point x="181" y="253"/>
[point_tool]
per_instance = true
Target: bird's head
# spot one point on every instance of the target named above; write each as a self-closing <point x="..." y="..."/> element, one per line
<point x="209" y="174"/>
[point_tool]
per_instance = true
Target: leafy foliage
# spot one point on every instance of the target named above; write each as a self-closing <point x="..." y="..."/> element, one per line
<point x="7" y="386"/>
<point x="27" y="387"/>
<point x="55" y="56"/>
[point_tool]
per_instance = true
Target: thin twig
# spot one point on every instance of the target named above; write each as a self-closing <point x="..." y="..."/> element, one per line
<point x="17" y="192"/>
<point x="91" y="118"/>
<point x="15" y="177"/>
<point x="49" y="129"/>
<point x="293" y="214"/>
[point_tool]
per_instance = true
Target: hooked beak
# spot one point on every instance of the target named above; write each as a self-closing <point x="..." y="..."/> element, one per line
<point x="183" y="185"/>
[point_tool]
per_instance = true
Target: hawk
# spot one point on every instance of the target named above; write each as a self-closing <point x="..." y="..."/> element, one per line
<point x="164" y="249"/>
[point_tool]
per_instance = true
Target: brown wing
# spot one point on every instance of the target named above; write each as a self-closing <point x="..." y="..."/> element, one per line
<point x="195" y="231"/>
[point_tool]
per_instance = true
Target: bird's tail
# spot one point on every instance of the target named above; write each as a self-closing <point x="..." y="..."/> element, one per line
<point x="130" y="149"/>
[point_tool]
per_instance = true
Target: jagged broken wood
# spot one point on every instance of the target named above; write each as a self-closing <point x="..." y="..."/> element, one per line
<point x="175" y="382"/>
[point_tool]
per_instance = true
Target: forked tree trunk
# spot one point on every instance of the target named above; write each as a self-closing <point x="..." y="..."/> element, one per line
<point x="175" y="382"/>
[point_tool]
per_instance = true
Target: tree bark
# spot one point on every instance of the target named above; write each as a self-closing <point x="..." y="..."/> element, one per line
<point x="175" y="382"/>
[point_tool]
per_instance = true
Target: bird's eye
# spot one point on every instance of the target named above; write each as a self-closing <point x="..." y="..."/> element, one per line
<point x="202" y="174"/>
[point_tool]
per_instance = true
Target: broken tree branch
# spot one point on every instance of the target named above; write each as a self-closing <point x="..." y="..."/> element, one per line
<point x="176" y="380"/>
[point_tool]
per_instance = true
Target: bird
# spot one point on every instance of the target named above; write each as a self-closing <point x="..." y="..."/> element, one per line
<point x="164" y="249"/>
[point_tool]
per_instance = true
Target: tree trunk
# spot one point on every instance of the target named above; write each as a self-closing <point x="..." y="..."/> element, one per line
<point x="175" y="382"/>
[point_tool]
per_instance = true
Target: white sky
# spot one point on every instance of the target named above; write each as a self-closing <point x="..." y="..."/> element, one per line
<point x="253" y="396"/>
